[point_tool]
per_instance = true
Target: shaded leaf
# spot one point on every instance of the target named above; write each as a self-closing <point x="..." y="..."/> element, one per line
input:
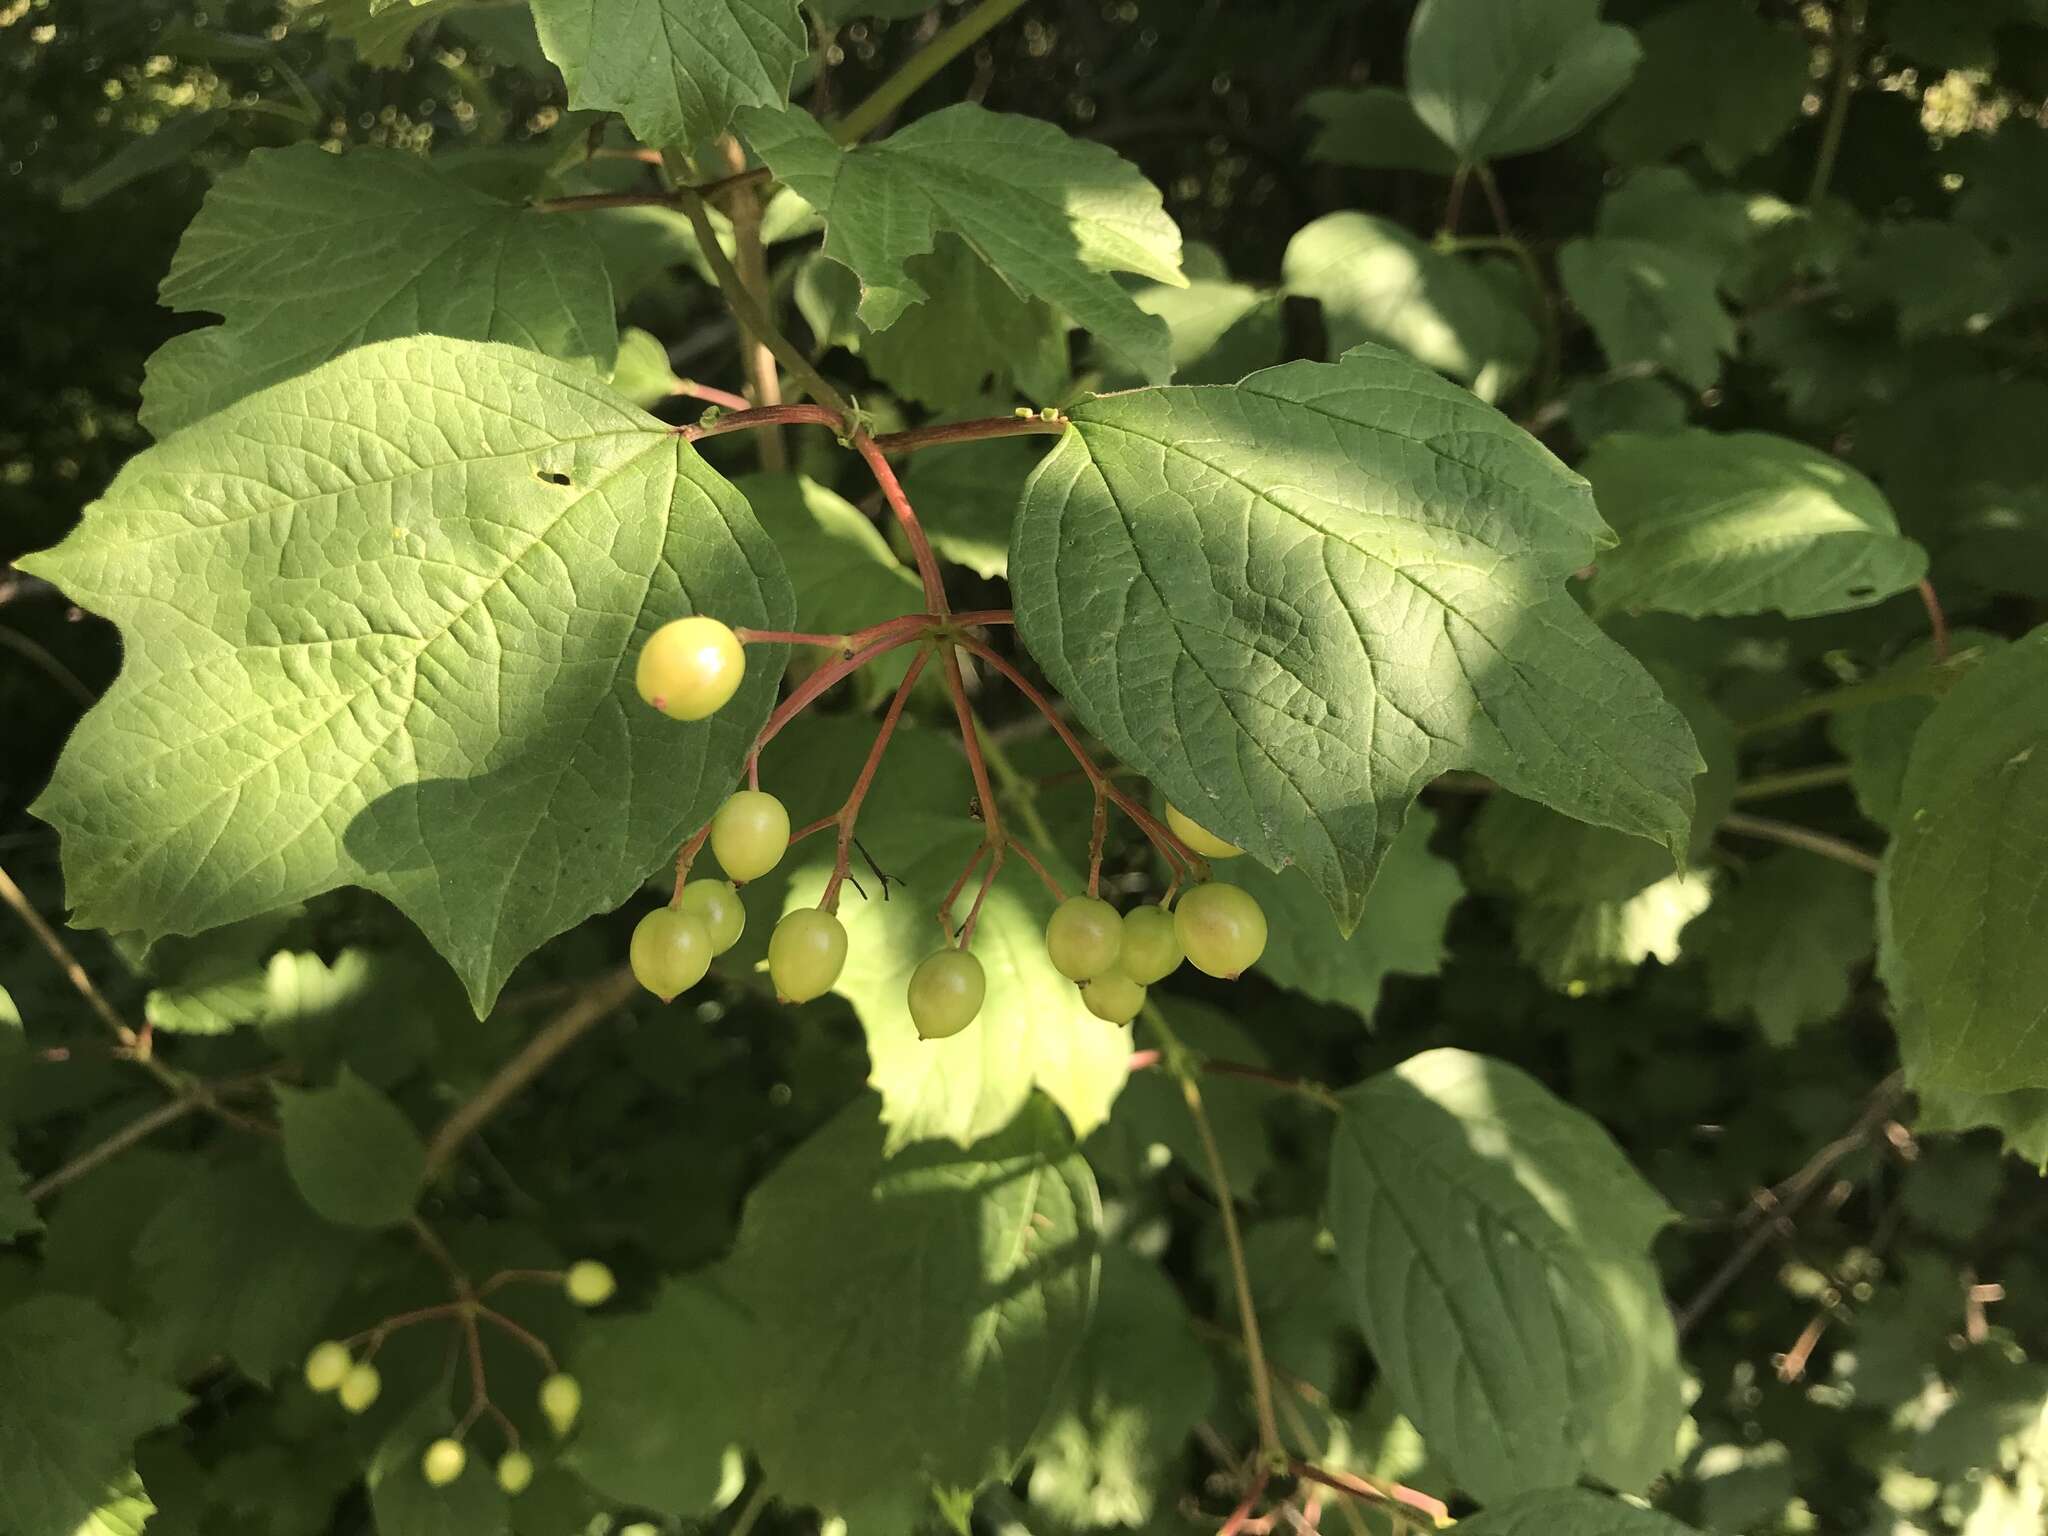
<point x="209" y="984"/>
<point x="987" y="1252"/>
<point x="1491" y="79"/>
<point x="1292" y="602"/>
<point x="1597" y="945"/>
<point x="1781" y="943"/>
<point x="359" y="669"/>
<point x="1051" y="214"/>
<point x="1139" y="1386"/>
<point x="1714" y="74"/>
<point x="234" y="1263"/>
<point x="406" y="1504"/>
<point x="2020" y="1117"/>
<point x="967" y="497"/>
<point x="17" y="1215"/>
<point x="1374" y="128"/>
<point x="1570" y="1512"/>
<point x="1401" y="930"/>
<point x="71" y="1407"/>
<point x="1376" y="282"/>
<point x="1150" y="1124"/>
<point x="1497" y="1246"/>
<point x="1649" y="304"/>
<point x="1742" y="522"/>
<point x="306" y="255"/>
<point x="1938" y="275"/>
<point x="351" y="1151"/>
<point x="1964" y="893"/>
<point x="840" y="567"/>
<point x="676" y="70"/>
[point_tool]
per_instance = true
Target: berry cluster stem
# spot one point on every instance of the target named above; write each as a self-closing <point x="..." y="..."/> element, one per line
<point x="1177" y="854"/>
<point x="849" y="813"/>
<point x="906" y="518"/>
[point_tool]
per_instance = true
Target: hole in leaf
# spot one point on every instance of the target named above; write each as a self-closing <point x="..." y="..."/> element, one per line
<point x="552" y="476"/>
<point x="1862" y="592"/>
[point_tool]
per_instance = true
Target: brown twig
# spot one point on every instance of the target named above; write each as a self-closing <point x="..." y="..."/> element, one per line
<point x="1799" y="1189"/>
<point x="1742" y="824"/>
<point x="594" y="1003"/>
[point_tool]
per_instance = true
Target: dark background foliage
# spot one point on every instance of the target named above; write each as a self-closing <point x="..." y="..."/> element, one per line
<point x="1851" y="1313"/>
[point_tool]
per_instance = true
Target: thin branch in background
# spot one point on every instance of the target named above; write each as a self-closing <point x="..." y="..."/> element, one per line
<point x="1792" y="781"/>
<point x="168" y="1113"/>
<point x="1271" y="1447"/>
<point x="1848" y="42"/>
<point x="1798" y="1190"/>
<point x="912" y="74"/>
<point x="42" y="657"/>
<point x="1742" y="824"/>
<point x="1937" y="621"/>
<point x="83" y="984"/>
<point x="724" y="399"/>
<point x="743" y="207"/>
<point x="593" y="1004"/>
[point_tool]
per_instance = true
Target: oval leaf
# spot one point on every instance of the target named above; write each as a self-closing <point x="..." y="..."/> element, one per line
<point x="1497" y="1247"/>
<point x="354" y="1156"/>
<point x="1963" y="900"/>
<point x="1726" y="523"/>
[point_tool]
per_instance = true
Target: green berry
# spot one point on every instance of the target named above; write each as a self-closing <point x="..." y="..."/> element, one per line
<point x="328" y="1363"/>
<point x="1199" y="838"/>
<point x="946" y="991"/>
<point x="670" y="952"/>
<point x="689" y="668"/>
<point x="444" y="1462"/>
<point x="515" y="1472"/>
<point x="806" y="952"/>
<point x="359" y="1388"/>
<point x="1113" y="996"/>
<point x="750" y="834"/>
<point x="1151" y="949"/>
<point x="1222" y="929"/>
<point x="1083" y="937"/>
<point x="589" y="1283"/>
<point x="716" y="905"/>
<point x="561" y="1400"/>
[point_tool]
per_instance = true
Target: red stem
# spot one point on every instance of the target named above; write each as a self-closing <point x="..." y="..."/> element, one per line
<point x="847" y="642"/>
<point x="1344" y="1482"/>
<point x="741" y="420"/>
<point x="685" y="857"/>
<point x="953" y="895"/>
<point x="968" y="432"/>
<point x="1175" y="852"/>
<point x="906" y="515"/>
<point x="850" y="811"/>
<point x="710" y="396"/>
<point x="1096" y="836"/>
<point x="988" y="879"/>
<point x="1936" y="619"/>
<point x="761" y="416"/>
<point x="1242" y="1513"/>
<point x="1039" y="869"/>
<point x="970" y="740"/>
<point x="533" y="1345"/>
<point x="985" y="617"/>
<point x="832" y="672"/>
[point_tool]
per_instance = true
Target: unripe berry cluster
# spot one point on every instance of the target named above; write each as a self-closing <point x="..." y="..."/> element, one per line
<point x="692" y="667"/>
<point x="331" y="1366"/>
